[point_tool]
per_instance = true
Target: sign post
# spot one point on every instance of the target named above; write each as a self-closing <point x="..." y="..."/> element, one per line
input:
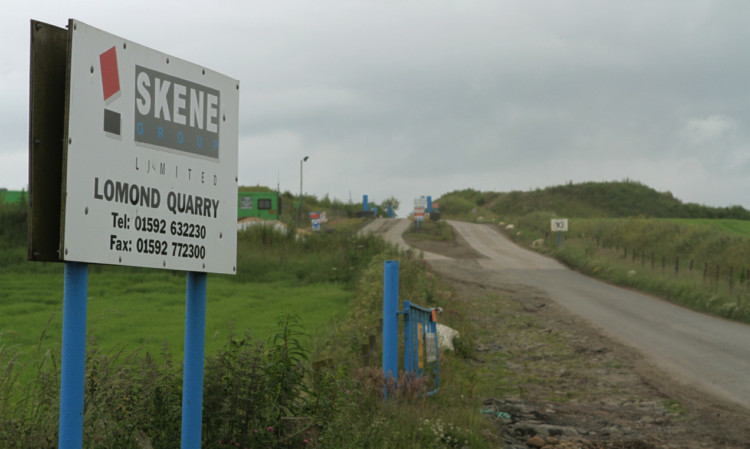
<point x="192" y="380"/>
<point x="73" y="357"/>
<point x="560" y="225"/>
<point x="390" y="321"/>
<point x="146" y="176"/>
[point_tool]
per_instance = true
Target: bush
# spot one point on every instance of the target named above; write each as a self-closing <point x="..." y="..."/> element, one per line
<point x="265" y="254"/>
<point x="251" y="388"/>
<point x="456" y="206"/>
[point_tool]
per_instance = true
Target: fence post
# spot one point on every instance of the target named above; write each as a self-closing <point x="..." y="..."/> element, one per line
<point x="390" y="319"/>
<point x="705" y="272"/>
<point x="408" y="339"/>
<point x="717" y="275"/>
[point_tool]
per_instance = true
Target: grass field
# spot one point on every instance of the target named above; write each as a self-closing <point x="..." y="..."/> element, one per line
<point x="739" y="228"/>
<point x="132" y="309"/>
<point x="245" y="388"/>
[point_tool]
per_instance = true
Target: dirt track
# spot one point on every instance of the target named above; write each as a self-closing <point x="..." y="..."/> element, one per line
<point x="566" y="381"/>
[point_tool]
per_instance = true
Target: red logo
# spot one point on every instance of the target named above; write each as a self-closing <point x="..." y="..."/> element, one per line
<point x="110" y="89"/>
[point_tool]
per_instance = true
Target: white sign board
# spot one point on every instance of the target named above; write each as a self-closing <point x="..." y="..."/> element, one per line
<point x="559" y="225"/>
<point x="431" y="346"/>
<point x="150" y="162"/>
<point x="420" y="205"/>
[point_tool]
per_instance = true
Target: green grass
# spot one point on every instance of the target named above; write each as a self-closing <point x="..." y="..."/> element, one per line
<point x="130" y="308"/>
<point x="148" y="309"/>
<point x="660" y="254"/>
<point x="739" y="228"/>
<point x="144" y="309"/>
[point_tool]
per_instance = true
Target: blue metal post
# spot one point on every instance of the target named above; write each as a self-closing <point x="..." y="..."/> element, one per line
<point x="364" y="203"/>
<point x="192" y="382"/>
<point x="390" y="211"/>
<point x="390" y="319"/>
<point x="429" y="204"/>
<point x="73" y="363"/>
<point x="559" y="239"/>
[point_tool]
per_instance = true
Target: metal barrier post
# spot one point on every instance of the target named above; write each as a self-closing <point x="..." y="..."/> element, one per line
<point x="433" y="328"/>
<point x="390" y="319"/>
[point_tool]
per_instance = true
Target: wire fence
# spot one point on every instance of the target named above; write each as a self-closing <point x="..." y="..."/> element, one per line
<point x="715" y="276"/>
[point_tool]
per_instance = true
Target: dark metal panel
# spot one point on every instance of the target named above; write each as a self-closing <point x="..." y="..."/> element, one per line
<point x="47" y="103"/>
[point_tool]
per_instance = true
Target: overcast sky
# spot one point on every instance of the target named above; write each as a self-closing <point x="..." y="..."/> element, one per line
<point x="409" y="98"/>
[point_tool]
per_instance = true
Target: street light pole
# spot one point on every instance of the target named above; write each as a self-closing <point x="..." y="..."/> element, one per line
<point x="299" y="207"/>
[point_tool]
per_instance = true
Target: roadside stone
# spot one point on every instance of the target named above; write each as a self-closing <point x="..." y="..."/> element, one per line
<point x="535" y="441"/>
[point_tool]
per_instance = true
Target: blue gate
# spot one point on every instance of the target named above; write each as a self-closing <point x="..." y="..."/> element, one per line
<point x="420" y="336"/>
<point x="421" y="345"/>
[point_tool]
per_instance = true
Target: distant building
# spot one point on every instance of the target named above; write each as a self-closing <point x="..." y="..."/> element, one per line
<point x="265" y="205"/>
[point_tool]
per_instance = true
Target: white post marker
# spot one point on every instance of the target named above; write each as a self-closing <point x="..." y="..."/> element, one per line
<point x="560" y="225"/>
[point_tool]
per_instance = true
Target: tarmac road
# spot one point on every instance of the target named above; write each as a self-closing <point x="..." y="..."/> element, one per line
<point x="696" y="350"/>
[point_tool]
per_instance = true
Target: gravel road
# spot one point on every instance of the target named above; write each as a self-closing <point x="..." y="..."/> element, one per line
<point x="695" y="349"/>
<point x="594" y="366"/>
